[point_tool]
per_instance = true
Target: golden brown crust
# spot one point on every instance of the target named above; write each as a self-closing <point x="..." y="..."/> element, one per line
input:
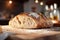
<point x="35" y="19"/>
<point x="40" y="22"/>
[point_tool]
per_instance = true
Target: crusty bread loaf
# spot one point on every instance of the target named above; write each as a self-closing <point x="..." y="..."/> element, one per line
<point x="29" y="20"/>
<point x="44" y="21"/>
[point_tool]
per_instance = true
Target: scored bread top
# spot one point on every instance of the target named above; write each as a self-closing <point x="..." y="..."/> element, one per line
<point x="31" y="21"/>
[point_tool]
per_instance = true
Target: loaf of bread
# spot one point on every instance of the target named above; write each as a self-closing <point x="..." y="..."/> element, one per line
<point x="30" y="20"/>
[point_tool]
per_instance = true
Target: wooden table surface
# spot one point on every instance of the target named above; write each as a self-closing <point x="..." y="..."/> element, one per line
<point x="27" y="34"/>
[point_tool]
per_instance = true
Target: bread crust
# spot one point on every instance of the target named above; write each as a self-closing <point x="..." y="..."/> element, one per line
<point x="40" y="22"/>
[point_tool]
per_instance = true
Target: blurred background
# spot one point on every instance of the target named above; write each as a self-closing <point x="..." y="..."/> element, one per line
<point x="11" y="8"/>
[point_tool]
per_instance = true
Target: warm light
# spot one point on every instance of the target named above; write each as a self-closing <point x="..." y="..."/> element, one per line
<point x="54" y="12"/>
<point x="41" y="3"/>
<point x="51" y="7"/>
<point x="46" y="7"/>
<point x="51" y="15"/>
<point x="55" y="6"/>
<point x="10" y="2"/>
<point x="36" y="1"/>
<point x="54" y="21"/>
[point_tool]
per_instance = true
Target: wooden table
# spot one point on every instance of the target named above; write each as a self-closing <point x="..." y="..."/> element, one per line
<point x="27" y="34"/>
<point x="52" y="37"/>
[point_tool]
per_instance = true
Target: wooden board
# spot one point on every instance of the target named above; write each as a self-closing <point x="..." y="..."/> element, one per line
<point x="29" y="33"/>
